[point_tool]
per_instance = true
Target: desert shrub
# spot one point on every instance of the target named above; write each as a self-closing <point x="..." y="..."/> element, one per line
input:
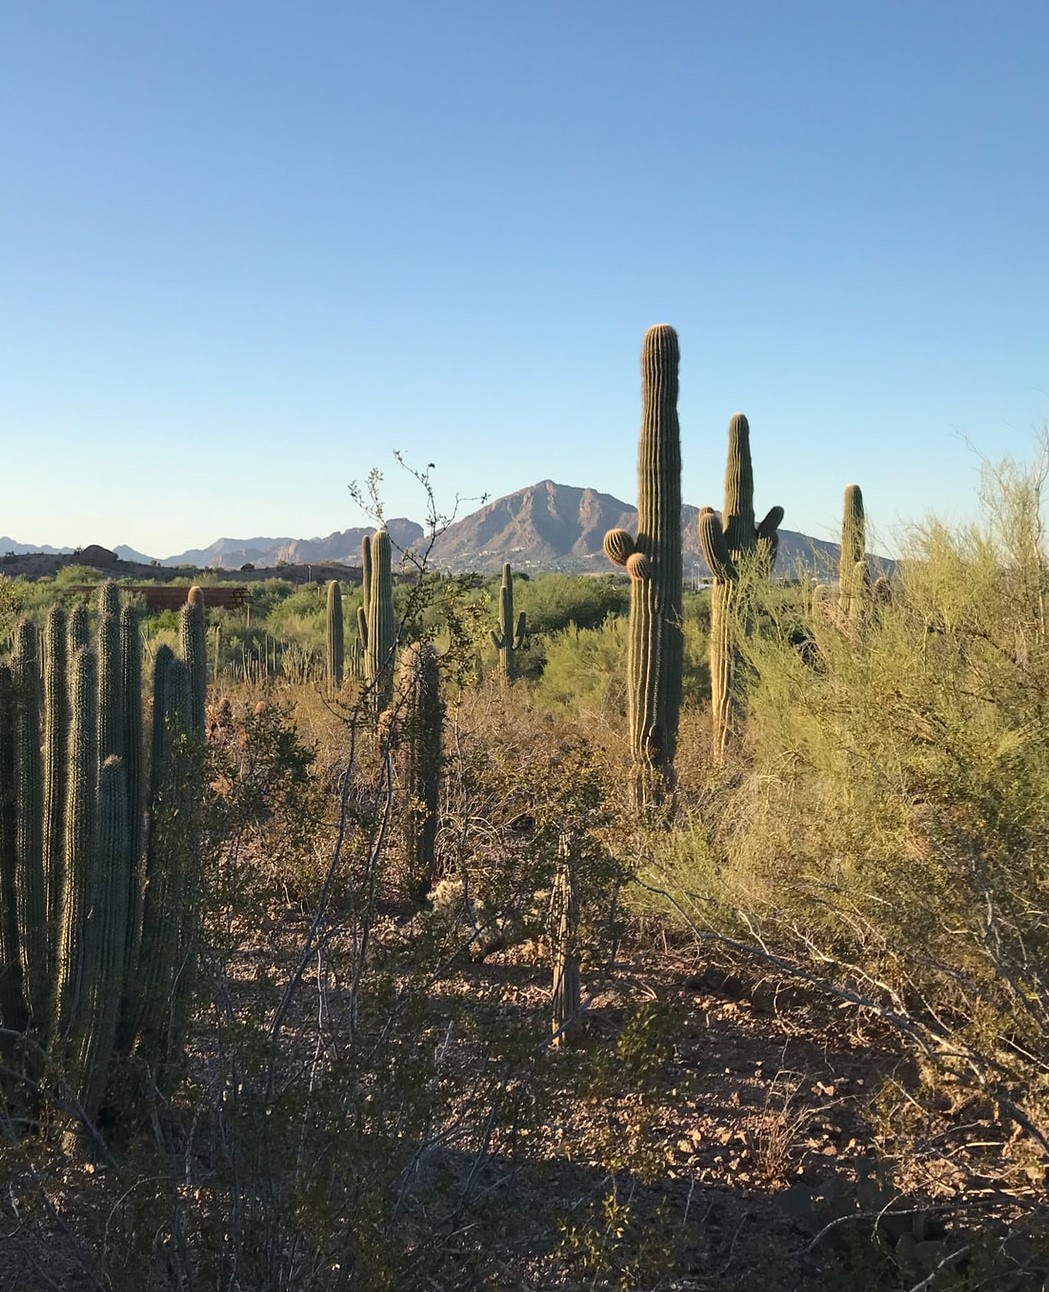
<point x="887" y="830"/>
<point x="554" y="601"/>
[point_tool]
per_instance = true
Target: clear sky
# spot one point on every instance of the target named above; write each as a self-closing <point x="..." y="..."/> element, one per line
<point x="248" y="250"/>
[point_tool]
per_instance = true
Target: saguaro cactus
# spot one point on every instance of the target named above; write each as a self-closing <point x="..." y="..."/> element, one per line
<point x="335" y="636"/>
<point x="739" y="553"/>
<point x="511" y="635"/>
<point x="653" y="561"/>
<point x="379" y="624"/>
<point x="195" y="652"/>
<point x="418" y="716"/>
<point x="853" y="575"/>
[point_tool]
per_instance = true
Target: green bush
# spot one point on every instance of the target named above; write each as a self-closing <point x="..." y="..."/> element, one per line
<point x="889" y="833"/>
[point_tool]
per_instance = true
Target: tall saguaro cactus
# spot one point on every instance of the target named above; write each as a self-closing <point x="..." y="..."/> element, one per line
<point x="378" y="624"/>
<point x="739" y="553"/>
<point x="653" y="561"/>
<point x="511" y="635"/>
<point x="335" y="638"/>
<point x="853" y="576"/>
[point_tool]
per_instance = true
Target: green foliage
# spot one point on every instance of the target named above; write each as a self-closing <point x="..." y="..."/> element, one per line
<point x="890" y="833"/>
<point x="553" y="602"/>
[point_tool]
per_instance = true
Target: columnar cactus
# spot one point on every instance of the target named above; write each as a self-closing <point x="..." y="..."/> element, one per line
<point x="55" y="740"/>
<point x="30" y="884"/>
<point x="379" y="624"/>
<point x="195" y="652"/>
<point x="853" y="575"/>
<point x="110" y="674"/>
<point x="335" y="636"/>
<point x="418" y="717"/>
<point x="511" y="635"/>
<point x="738" y="553"/>
<point x="78" y="955"/>
<point x="14" y="1012"/>
<point x="653" y="561"/>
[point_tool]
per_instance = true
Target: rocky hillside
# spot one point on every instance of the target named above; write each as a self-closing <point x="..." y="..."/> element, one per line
<point x="556" y="527"/>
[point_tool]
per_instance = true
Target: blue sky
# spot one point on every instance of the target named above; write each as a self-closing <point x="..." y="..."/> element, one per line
<point x="248" y="250"/>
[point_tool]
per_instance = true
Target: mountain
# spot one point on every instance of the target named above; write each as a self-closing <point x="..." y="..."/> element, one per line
<point x="547" y="526"/>
<point x="557" y="527"/>
<point x="342" y="547"/>
<point x="23" y="549"/>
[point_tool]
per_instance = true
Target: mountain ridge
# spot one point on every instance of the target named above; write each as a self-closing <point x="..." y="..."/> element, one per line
<point x="542" y="527"/>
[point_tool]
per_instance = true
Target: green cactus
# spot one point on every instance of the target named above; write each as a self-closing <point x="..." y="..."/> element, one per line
<point x="30" y="883"/>
<point x="335" y="636"/>
<point x="82" y="780"/>
<point x="739" y="553"/>
<point x="55" y="749"/>
<point x="79" y="627"/>
<point x="73" y="848"/>
<point x="418" y="718"/>
<point x="14" y="1012"/>
<point x="511" y="635"/>
<point x="380" y="624"/>
<point x="653" y="561"/>
<point x="92" y="1032"/>
<point x="193" y="641"/>
<point x="110" y="675"/>
<point x="854" y="582"/>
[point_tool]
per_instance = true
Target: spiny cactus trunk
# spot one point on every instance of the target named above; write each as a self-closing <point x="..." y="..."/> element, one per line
<point x="418" y="718"/>
<point x="55" y="771"/>
<point x="853" y="576"/>
<point x="739" y="555"/>
<point x="653" y="561"/>
<point x="80" y="837"/>
<point x="14" y="1012"/>
<point x="195" y="653"/>
<point x="29" y="841"/>
<point x="381" y="623"/>
<point x="334" y="625"/>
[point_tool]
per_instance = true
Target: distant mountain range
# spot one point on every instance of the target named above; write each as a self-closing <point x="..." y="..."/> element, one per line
<point x="545" y="527"/>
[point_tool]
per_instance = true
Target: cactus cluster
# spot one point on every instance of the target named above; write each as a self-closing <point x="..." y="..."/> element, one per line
<point x="653" y="561"/>
<point x="739" y="552"/>
<point x="87" y="967"/>
<point x="511" y="635"/>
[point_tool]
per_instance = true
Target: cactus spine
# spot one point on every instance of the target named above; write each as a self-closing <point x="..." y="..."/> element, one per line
<point x="739" y="554"/>
<point x="418" y="720"/>
<point x="653" y="561"/>
<point x="335" y="636"/>
<point x="511" y="635"/>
